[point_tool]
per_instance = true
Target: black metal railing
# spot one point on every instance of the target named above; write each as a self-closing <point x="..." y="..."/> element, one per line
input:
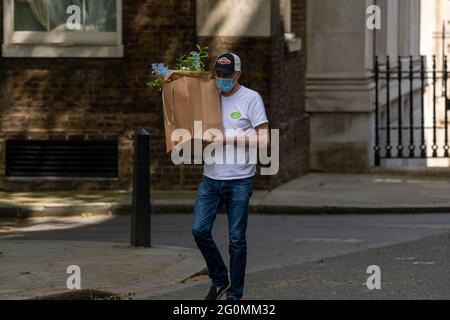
<point x="409" y="127"/>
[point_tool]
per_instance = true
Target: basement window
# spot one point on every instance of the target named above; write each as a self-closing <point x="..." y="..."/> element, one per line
<point x="61" y="159"/>
<point x="63" y="28"/>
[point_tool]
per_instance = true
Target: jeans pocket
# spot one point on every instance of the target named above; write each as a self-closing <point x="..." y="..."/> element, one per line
<point x="244" y="188"/>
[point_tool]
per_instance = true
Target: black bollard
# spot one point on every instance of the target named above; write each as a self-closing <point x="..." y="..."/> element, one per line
<point x="141" y="215"/>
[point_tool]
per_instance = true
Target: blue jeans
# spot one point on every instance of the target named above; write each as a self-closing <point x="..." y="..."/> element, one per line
<point x="211" y="195"/>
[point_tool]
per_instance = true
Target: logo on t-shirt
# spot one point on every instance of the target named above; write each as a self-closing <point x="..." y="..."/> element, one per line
<point x="236" y="115"/>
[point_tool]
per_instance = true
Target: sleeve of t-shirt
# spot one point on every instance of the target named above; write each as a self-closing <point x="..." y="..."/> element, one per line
<point x="257" y="112"/>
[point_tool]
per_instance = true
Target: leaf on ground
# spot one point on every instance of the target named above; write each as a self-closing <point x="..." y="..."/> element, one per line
<point x="197" y="278"/>
<point x="86" y="215"/>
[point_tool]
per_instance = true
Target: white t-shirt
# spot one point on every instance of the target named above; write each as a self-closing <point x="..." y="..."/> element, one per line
<point x="242" y="112"/>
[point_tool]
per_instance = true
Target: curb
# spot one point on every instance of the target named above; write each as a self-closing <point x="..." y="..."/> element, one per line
<point x="328" y="210"/>
<point x="119" y="209"/>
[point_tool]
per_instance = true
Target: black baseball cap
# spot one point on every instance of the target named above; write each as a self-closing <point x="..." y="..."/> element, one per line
<point x="228" y="63"/>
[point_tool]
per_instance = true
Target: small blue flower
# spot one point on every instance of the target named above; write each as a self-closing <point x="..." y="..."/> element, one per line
<point x="196" y="60"/>
<point x="160" y="70"/>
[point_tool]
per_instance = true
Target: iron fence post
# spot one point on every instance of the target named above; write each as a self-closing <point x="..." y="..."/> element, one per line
<point x="446" y="146"/>
<point x="423" y="147"/>
<point x="388" y="146"/>
<point x="400" y="114"/>
<point x="411" y="107"/>
<point x="434" y="146"/>
<point x="377" y="120"/>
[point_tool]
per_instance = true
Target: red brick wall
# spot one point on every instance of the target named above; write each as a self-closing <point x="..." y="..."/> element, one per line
<point x="108" y="98"/>
<point x="287" y="112"/>
<point x="101" y="98"/>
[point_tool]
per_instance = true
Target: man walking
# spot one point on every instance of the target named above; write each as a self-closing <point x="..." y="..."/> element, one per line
<point x="231" y="183"/>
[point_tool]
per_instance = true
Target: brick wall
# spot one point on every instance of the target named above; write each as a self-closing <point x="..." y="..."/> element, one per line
<point x="92" y="99"/>
<point x="287" y="111"/>
<point x="100" y="98"/>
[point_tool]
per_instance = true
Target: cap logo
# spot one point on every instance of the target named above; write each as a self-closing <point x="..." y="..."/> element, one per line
<point x="224" y="61"/>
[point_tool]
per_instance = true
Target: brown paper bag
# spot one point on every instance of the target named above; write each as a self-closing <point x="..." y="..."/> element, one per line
<point x="187" y="97"/>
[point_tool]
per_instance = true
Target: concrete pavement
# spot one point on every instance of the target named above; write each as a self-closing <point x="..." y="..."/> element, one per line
<point x="310" y="194"/>
<point x="30" y="269"/>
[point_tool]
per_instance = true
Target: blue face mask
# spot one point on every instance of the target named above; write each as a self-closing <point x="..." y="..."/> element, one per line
<point x="225" y="84"/>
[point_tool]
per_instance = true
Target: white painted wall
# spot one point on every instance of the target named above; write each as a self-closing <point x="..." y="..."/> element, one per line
<point x="234" y="18"/>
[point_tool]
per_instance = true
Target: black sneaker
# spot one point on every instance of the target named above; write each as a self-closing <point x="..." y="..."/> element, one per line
<point x="216" y="293"/>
